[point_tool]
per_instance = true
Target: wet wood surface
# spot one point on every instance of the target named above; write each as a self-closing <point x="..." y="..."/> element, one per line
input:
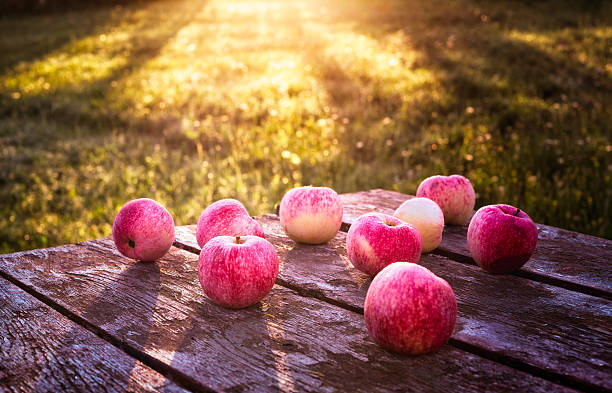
<point x="562" y="258"/>
<point x="550" y="330"/>
<point x="288" y="342"/>
<point x="149" y="326"/>
<point x="43" y="351"/>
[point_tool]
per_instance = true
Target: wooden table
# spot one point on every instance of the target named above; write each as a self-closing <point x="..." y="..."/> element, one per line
<point x="82" y="317"/>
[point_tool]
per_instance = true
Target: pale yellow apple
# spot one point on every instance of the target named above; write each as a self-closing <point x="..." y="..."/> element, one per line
<point x="427" y="217"/>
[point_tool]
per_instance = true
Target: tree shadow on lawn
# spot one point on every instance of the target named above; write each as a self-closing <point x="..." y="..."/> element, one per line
<point x="506" y="77"/>
<point x="481" y="65"/>
<point x="35" y="36"/>
<point x="42" y="28"/>
<point x="465" y="53"/>
<point x="87" y="103"/>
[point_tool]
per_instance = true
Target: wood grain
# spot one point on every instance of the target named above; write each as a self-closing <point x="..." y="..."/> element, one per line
<point x="285" y="343"/>
<point x="563" y="258"/>
<point x="551" y="330"/>
<point x="43" y="351"/>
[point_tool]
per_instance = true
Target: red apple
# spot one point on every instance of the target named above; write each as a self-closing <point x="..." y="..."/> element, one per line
<point x="501" y="238"/>
<point x="143" y="229"/>
<point x="376" y="240"/>
<point x="236" y="272"/>
<point x="226" y="217"/>
<point x="454" y="194"/>
<point x="311" y="215"/>
<point x="410" y="310"/>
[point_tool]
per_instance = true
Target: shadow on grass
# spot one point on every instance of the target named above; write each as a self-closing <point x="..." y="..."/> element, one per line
<point x="87" y="103"/>
<point x="535" y="102"/>
<point x="465" y="51"/>
<point x="40" y="35"/>
<point x="37" y="7"/>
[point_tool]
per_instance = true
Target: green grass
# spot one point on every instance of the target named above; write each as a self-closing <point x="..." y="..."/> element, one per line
<point x="190" y="101"/>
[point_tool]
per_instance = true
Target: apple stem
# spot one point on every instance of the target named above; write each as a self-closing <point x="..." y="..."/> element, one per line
<point x="517" y="212"/>
<point x="131" y="243"/>
<point x="237" y="239"/>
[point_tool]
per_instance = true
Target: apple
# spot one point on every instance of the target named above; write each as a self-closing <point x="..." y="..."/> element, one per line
<point x="376" y="240"/>
<point x="427" y="217"/>
<point x="237" y="271"/>
<point x="226" y="217"/>
<point x="311" y="215"/>
<point x="410" y="310"/>
<point x="501" y="238"/>
<point x="143" y="230"/>
<point x="454" y="194"/>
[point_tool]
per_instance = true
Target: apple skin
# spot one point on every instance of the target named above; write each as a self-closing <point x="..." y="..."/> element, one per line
<point x="237" y="275"/>
<point x="427" y="217"/>
<point x="143" y="230"/>
<point x="500" y="241"/>
<point x="376" y="240"/>
<point x="226" y="217"/>
<point x="311" y="215"/>
<point x="454" y="194"/>
<point x="410" y="310"/>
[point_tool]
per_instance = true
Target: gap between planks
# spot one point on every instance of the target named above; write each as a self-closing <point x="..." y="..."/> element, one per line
<point x="188" y="382"/>
<point x="42" y="350"/>
<point x="515" y="363"/>
<point x="534" y="276"/>
<point x="457" y="257"/>
<point x="471" y="371"/>
<point x="181" y="379"/>
<point x="384" y="201"/>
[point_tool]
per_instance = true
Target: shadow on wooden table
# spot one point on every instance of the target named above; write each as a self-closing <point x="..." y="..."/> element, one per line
<point x="103" y="313"/>
<point x="246" y="334"/>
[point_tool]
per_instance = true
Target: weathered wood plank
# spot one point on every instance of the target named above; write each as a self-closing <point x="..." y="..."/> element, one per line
<point x="323" y="272"/>
<point x="564" y="258"/>
<point x="561" y="333"/>
<point x="287" y="342"/>
<point x="43" y="351"/>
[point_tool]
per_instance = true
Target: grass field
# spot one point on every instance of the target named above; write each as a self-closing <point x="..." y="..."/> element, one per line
<point x="189" y="101"/>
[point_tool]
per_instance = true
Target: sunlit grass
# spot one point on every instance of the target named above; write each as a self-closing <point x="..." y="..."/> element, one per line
<point x="190" y="101"/>
<point x="61" y="71"/>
